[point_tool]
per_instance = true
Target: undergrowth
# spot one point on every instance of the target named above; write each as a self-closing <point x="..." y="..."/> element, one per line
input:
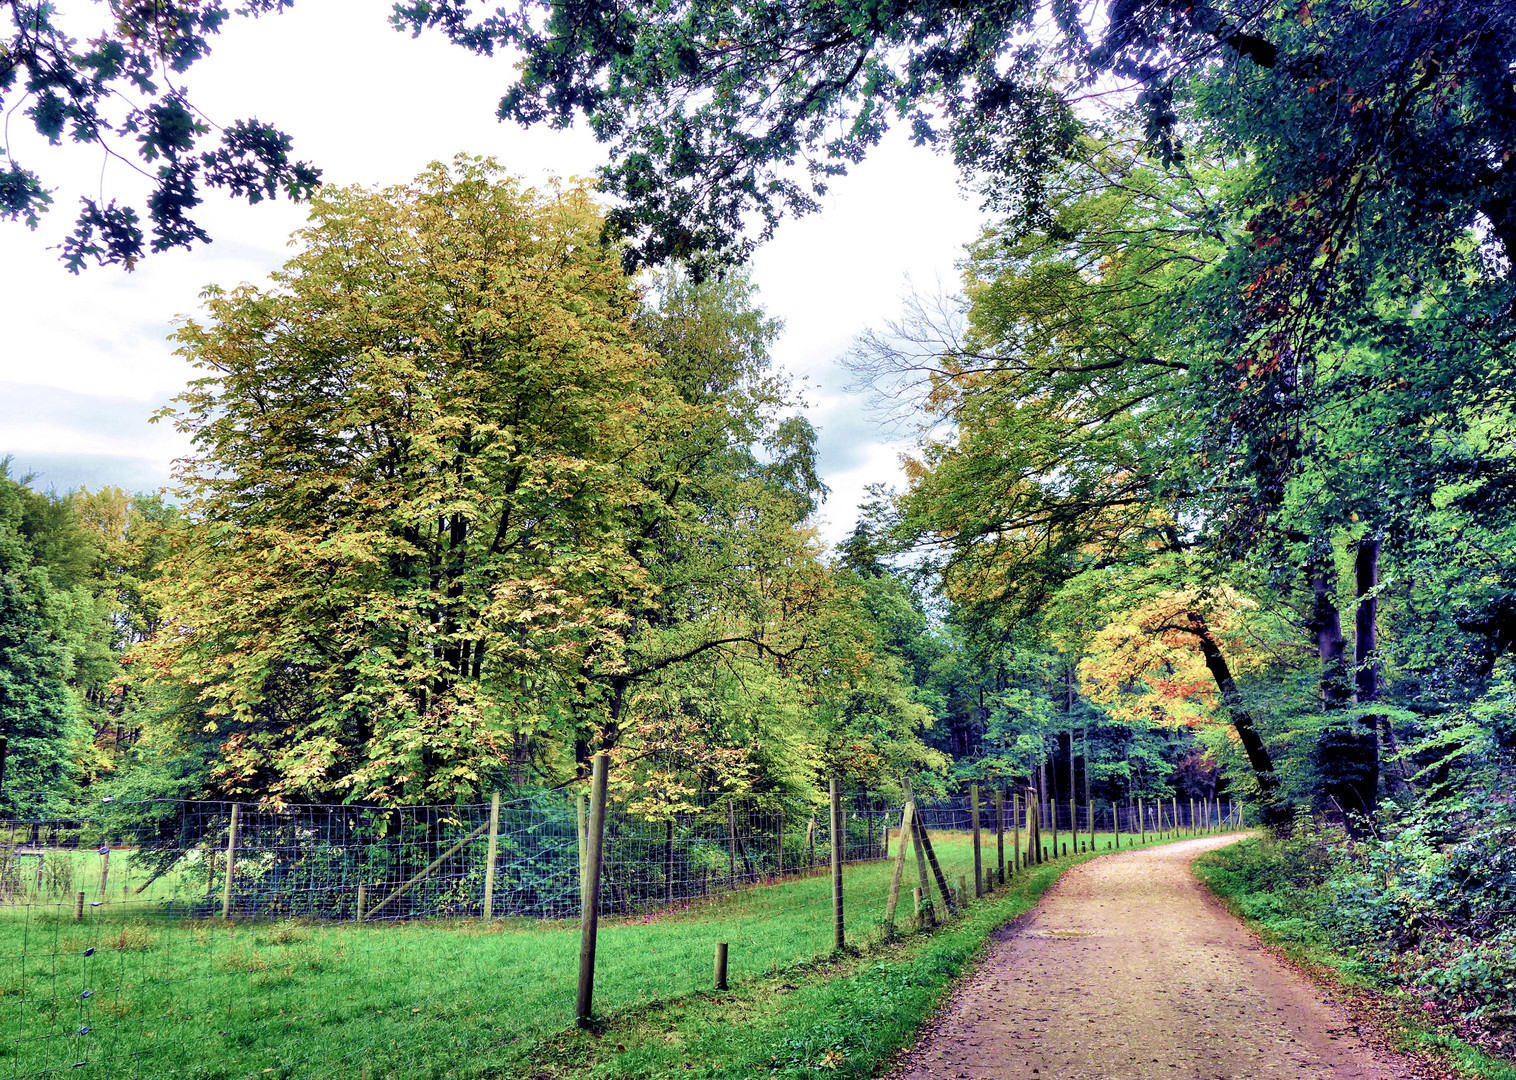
<point x="1421" y="921"/>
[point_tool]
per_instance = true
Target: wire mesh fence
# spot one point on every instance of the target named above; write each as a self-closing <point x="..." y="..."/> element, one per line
<point x="213" y="940"/>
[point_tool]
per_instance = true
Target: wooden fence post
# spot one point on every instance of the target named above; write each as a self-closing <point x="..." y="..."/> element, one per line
<point x="978" y="856"/>
<point x="721" y="948"/>
<point x="78" y="907"/>
<point x="362" y="899"/>
<point x="231" y="861"/>
<point x="838" y="844"/>
<point x="105" y="866"/>
<point x="489" y="857"/>
<point x="589" y="925"/>
<point x="931" y="858"/>
<point x="899" y="874"/>
<point x="924" y="893"/>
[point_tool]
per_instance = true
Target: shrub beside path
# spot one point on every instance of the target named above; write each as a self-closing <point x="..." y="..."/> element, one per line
<point x="1129" y="969"/>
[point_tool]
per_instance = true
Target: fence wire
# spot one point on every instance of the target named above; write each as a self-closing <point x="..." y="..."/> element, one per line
<point x="164" y="939"/>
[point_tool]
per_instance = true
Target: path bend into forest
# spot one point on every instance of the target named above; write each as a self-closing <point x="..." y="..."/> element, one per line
<point x="1129" y="969"/>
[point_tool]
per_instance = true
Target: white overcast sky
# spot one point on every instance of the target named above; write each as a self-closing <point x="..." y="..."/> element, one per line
<point x="84" y="361"/>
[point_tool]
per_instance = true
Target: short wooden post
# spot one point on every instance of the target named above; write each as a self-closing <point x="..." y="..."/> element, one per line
<point x="362" y="902"/>
<point x="838" y="936"/>
<point x="978" y="856"/>
<point x="1000" y="835"/>
<point x="489" y="857"/>
<point x="78" y="907"/>
<point x="721" y="965"/>
<point x="589" y="925"/>
<point x="105" y="867"/>
<point x="231" y="861"/>
<point x="899" y="874"/>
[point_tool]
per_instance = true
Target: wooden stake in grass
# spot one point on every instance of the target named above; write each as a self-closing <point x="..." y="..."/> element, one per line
<point x="589" y="924"/>
<point x="78" y="907"/>
<point x="838" y="936"/>
<point x="231" y="862"/>
<point x="362" y="902"/>
<point x="978" y="857"/>
<point x="489" y="857"/>
<point x="721" y="965"/>
<point x="105" y="867"/>
<point x="906" y="820"/>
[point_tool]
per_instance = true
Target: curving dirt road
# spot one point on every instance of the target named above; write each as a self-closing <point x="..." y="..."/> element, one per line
<point x="1130" y="970"/>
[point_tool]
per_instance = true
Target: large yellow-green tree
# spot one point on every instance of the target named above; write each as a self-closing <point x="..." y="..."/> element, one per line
<point x="418" y="457"/>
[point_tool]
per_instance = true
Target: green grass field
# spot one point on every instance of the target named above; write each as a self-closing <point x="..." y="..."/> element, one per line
<point x="125" y="993"/>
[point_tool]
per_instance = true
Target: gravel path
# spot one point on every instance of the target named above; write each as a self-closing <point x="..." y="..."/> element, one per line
<point x="1130" y="970"/>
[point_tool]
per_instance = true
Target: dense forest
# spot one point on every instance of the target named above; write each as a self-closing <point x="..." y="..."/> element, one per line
<point x="1211" y="494"/>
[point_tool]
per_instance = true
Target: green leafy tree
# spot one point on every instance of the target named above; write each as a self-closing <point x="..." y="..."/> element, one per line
<point x="416" y="455"/>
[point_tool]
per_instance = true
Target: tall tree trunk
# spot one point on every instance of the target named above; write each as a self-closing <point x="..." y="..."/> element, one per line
<point x="1347" y="752"/>
<point x="1366" y="654"/>
<point x="1275" y="813"/>
<point x="1326" y="630"/>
